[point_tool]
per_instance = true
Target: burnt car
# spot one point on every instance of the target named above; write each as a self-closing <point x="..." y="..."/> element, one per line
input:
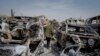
<point x="81" y="38"/>
<point x="94" y="22"/>
<point x="13" y="50"/>
<point x="23" y="41"/>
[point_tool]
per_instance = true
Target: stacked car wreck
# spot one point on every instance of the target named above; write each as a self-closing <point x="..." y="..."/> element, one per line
<point x="82" y="39"/>
<point x="24" y="36"/>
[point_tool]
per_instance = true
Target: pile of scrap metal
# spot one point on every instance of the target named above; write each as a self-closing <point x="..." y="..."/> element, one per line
<point x="18" y="35"/>
<point x="76" y="39"/>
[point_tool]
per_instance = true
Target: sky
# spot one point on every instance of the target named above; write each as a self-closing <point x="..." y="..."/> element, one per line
<point x="53" y="9"/>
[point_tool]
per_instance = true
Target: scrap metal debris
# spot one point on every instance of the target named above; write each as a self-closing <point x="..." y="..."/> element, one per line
<point x="24" y="36"/>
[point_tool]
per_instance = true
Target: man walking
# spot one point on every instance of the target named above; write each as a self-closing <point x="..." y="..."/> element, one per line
<point x="48" y="31"/>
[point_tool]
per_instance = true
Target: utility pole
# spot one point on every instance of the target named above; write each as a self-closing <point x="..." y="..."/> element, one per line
<point x="12" y="13"/>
